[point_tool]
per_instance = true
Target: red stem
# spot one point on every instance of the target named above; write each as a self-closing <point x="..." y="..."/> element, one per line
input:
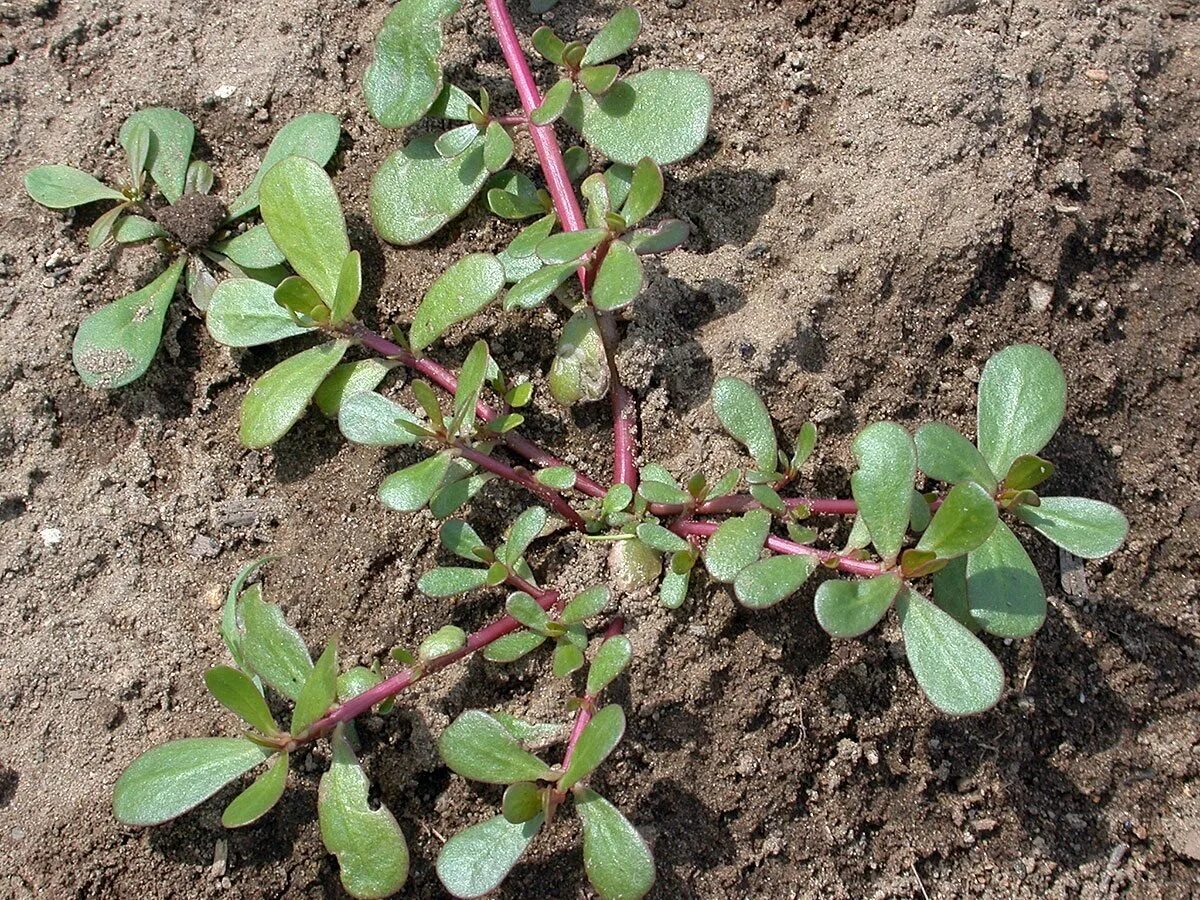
<point x="587" y="706"/>
<point x="566" y="204"/>
<point x="737" y="503"/>
<point x="525" y="480"/>
<point x="845" y="563"/>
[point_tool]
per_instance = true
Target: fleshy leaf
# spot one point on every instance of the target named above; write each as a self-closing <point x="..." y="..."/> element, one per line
<point x="449" y="581"/>
<point x="371" y="420"/>
<point x="411" y="488"/>
<point x="579" y="371"/>
<point x="252" y="249"/>
<point x="404" y="79"/>
<point x="945" y="455"/>
<point x="416" y="191"/>
<point x="313" y="136"/>
<point x="736" y="544"/>
<point x="497" y="147"/>
<point x="958" y="674"/>
<point x="673" y="589"/>
<point x="764" y="583"/>
<point x="171" y="136"/>
<point x="553" y="103"/>
<point x="368" y="843"/>
<point x="1004" y="591"/>
<point x="116" y="344"/>
<point x="348" y="379"/>
<point x="243" y="313"/>
<point x="661" y="539"/>
<point x="619" y="279"/>
<point x="614" y="38"/>
<point x="470" y="383"/>
<point x="568" y="246"/>
<point x="744" y="415"/>
<point x="950" y="592"/>
<point x="258" y="799"/>
<point x="585" y="604"/>
<point x="882" y="486"/>
<point x="533" y="289"/>
<point x="1087" y="528"/>
<point x="167" y="781"/>
<point x="666" y="235"/>
<point x="1027" y="472"/>
<point x="463" y="290"/>
<point x="1022" y="398"/>
<point x="567" y="659"/>
<point x="62" y="187"/>
<point x="272" y="649"/>
<point x="278" y="399"/>
<point x="513" y="646"/>
<point x="965" y="520"/>
<point x="475" y="861"/>
<point x="525" y="529"/>
<point x="446" y="639"/>
<point x="846" y="609"/>
<point x="617" y="860"/>
<point x="645" y="192"/>
<point x="598" y="739"/>
<point x="611" y="659"/>
<point x="478" y="747"/>
<point x="237" y="693"/>
<point x="462" y="540"/>
<point x="522" y="801"/>
<point x="134" y="229"/>
<point x="319" y="691"/>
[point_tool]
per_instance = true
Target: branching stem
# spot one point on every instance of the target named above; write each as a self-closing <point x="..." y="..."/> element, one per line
<point x="739" y="503"/>
<point x="525" y="480"/>
<point x="844" y="563"/>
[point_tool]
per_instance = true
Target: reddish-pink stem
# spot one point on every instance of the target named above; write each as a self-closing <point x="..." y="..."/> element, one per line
<point x="566" y="204"/>
<point x="845" y="563"/>
<point x="737" y="503"/>
<point x="525" y="480"/>
<point x="587" y="706"/>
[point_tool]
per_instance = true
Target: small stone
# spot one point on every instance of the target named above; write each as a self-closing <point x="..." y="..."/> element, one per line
<point x="225" y="91"/>
<point x="676" y="4"/>
<point x="204" y="547"/>
<point x="954" y="7"/>
<point x="1040" y="296"/>
<point x="1068" y="175"/>
<point x="51" y="536"/>
<point x="1116" y="450"/>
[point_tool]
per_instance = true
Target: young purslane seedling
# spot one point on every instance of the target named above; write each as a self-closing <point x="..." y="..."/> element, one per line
<point x="190" y="227"/>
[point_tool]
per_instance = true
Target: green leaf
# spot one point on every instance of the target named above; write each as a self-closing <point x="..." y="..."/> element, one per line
<point x="462" y="540"/>
<point x="313" y="136"/>
<point x="371" y="420"/>
<point x="346" y="380"/>
<point x="1027" y="472"/>
<point x="1022" y="398"/>
<point x="456" y="491"/>
<point x="511" y="195"/>
<point x="662" y="114"/>
<point x="579" y="371"/>
<point x="116" y="344"/>
<point x="674" y="587"/>
<point x="410" y="489"/>
<point x="661" y="539"/>
<point x="532" y="290"/>
<point x="199" y="178"/>
<point x="596" y="80"/>
<point x="497" y="147"/>
<point x="470" y="382"/>
<point x="945" y="455"/>
<point x="453" y="103"/>
<point x="525" y="529"/>
<point x="475" y="861"/>
<point x="585" y="604"/>
<point x="231" y="631"/>
<point x="447" y="639"/>
<point x="611" y="660"/>
<point x="243" y="313"/>
<point x="457" y="140"/>
<point x="319" y="691"/>
<point x="615" y="37"/>
<point x="271" y="648"/>
<point x="450" y="581"/>
<point x="167" y="781"/>
<point x="567" y="659"/>
<point x="463" y="290"/>
<point x="478" y="747"/>
<point x="666" y="235"/>
<point x="258" y="799"/>
<point x="1087" y="528"/>
<point x="368" y="843"/>
<point x="645" y="192"/>
<point x="355" y="681"/>
<point x="958" y="674"/>
<point x="548" y="44"/>
<point x="513" y="646"/>
<point x="616" y="498"/>
<point x="171" y="136"/>
<point x="553" y="103"/>
<point x="633" y="565"/>
<point x="1003" y="588"/>
<point x="237" y="693"/>
<point x="134" y="229"/>
<point x="846" y="609"/>
<point x="302" y="213"/>
<point x="617" y="860"/>
<point x="298" y="296"/>
<point x="404" y="79"/>
<point x="744" y="415"/>
<point x="736" y="544"/>
<point x="918" y="512"/>
<point x="278" y="399"/>
<point x="619" y="279"/>
<point x="138" y="151"/>
<point x="965" y="520"/>
<point x="103" y="226"/>
<point x="569" y="246"/>
<point x="598" y="739"/>
<point x="62" y="187"/>
<point x="561" y="478"/>
<point x="527" y="611"/>
<point x="882" y="486"/>
<point x="416" y="191"/>
<point x="522" y="801"/>
<point x="252" y="249"/>
<point x="349" y="286"/>
<point x="764" y="583"/>
<point x="950" y="592"/>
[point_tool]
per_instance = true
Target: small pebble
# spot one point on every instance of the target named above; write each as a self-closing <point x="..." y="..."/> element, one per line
<point x="51" y="536"/>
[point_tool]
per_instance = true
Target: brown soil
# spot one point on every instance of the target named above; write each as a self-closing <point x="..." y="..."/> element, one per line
<point x="891" y="192"/>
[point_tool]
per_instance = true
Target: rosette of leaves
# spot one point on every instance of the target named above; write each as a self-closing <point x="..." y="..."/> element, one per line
<point x="490" y="749"/>
<point x="190" y="227"/>
<point x="660" y="114"/>
<point x="269" y="655"/>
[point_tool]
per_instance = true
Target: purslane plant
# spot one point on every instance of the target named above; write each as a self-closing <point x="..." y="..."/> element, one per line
<point x="935" y="518"/>
<point x="189" y="226"/>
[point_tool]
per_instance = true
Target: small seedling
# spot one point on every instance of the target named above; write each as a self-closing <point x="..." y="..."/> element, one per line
<point x="935" y="522"/>
<point x="190" y="227"/>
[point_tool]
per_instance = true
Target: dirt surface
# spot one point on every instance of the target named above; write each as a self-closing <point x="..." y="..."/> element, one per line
<point x="891" y="192"/>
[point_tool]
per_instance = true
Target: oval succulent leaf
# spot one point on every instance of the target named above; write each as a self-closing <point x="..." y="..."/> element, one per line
<point x="958" y="674"/>
<point x="348" y="379"/>
<point x="478" y="747"/>
<point x="585" y="604"/>
<point x="661" y="539"/>
<point x="464" y="541"/>
<point x="62" y="187"/>
<point x="522" y="801"/>
<point x="313" y="136"/>
<point x="645" y="192"/>
<point x="116" y="344"/>
<point x="272" y="649"/>
<point x="617" y="861"/>
<point x="663" y="114"/>
<point x="1022" y="398"/>
<point x="278" y="399"/>
<point x="416" y="191"/>
<point x="463" y="290"/>
<point x="404" y="79"/>
<point x="410" y="489"/>
<point x="1004" y="593"/>
<point x="611" y="660"/>
<point x="666" y="235"/>
<point x="619" y="279"/>
<point x="368" y="843"/>
<point x="370" y="419"/>
<point x="302" y="213"/>
<point x="533" y="289"/>
<point x="674" y="587"/>
<point x="134" y="229"/>
<point x="950" y="592"/>
<point x="598" y="739"/>
<point x="1087" y="528"/>
<point x="513" y="646"/>
<point x="447" y="639"/>
<point x="170" y="149"/>
<point x="243" y="313"/>
<point x="237" y="693"/>
<point x="449" y="581"/>
<point x="167" y="781"/>
<point x="847" y="609"/>
<point x="882" y="486"/>
<point x="744" y="415"/>
<point x="1027" y="472"/>
<point x="548" y="44"/>
<point x="319" y="691"/>
<point x="497" y="147"/>
<point x="945" y="455"/>
<point x="455" y="141"/>
<point x="966" y="519"/>
<point x="736" y="544"/>
<point x="614" y="38"/>
<point x="475" y="861"/>
<point x="579" y="371"/>
<point x="598" y="79"/>
<point x="568" y="246"/>
<point x="252" y="249"/>
<point x="766" y="582"/>
<point x="260" y="797"/>
<point x="561" y="478"/>
<point x="525" y="529"/>
<point x="553" y="103"/>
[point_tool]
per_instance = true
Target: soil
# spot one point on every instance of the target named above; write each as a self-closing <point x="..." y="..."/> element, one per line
<point x="891" y="192"/>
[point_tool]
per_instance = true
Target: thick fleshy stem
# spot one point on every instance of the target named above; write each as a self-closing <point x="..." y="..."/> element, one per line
<point x="444" y="379"/>
<point x="843" y="562"/>
<point x="587" y="703"/>
<point x="739" y="503"/>
<point x="525" y="480"/>
<point x="566" y="204"/>
<point x="406" y="678"/>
